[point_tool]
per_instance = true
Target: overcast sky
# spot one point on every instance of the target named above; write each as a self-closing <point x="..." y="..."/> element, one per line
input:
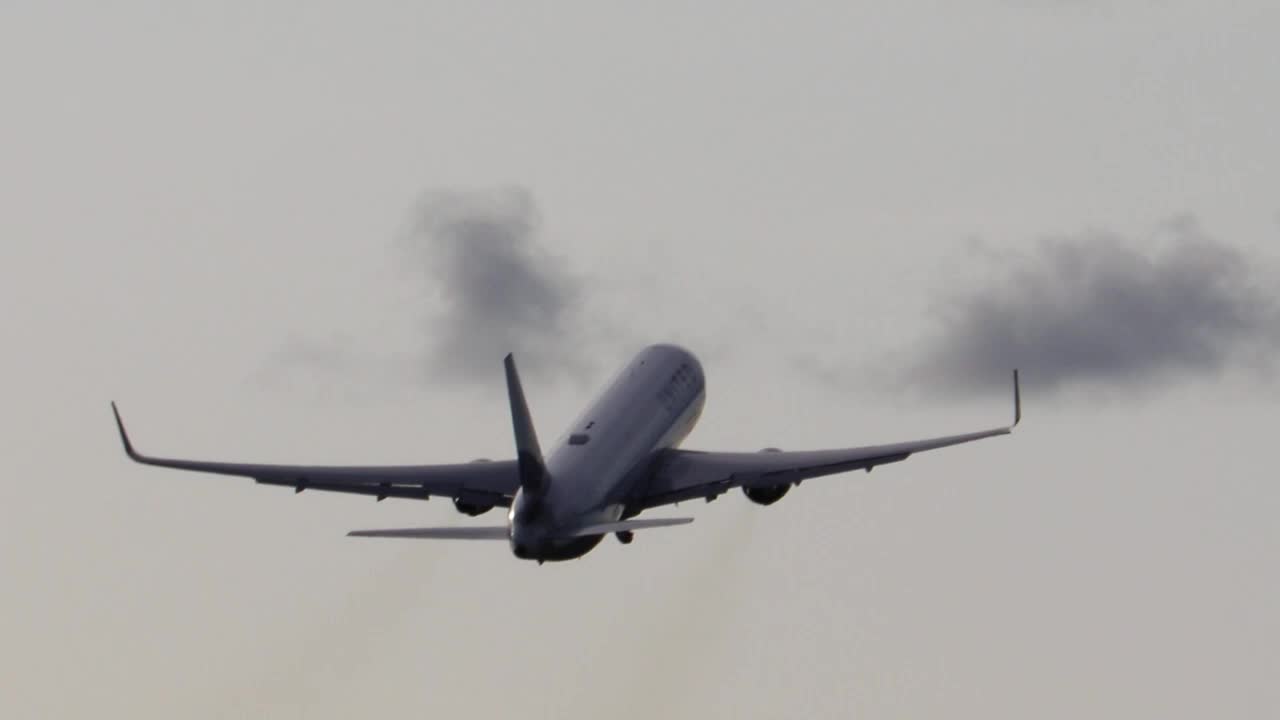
<point x="302" y="232"/>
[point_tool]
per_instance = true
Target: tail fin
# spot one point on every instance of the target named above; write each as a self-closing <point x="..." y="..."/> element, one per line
<point x="533" y="473"/>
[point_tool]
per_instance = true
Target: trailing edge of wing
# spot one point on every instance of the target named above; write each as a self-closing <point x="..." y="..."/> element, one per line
<point x="494" y="532"/>
<point x="627" y="525"/>
<point x="492" y="483"/>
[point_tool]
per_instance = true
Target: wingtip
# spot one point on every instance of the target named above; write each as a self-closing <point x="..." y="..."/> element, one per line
<point x="124" y="435"/>
<point x="1017" y="400"/>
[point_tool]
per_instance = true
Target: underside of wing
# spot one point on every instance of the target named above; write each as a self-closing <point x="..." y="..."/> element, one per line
<point x="689" y="474"/>
<point x="481" y="484"/>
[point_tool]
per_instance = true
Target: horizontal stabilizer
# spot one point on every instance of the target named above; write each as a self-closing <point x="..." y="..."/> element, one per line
<point x="628" y="525"/>
<point x="494" y="532"/>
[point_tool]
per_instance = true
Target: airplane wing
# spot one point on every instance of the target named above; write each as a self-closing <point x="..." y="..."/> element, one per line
<point x="690" y="474"/>
<point x="477" y="483"/>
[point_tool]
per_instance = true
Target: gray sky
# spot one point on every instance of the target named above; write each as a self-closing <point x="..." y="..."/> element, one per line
<point x="213" y="216"/>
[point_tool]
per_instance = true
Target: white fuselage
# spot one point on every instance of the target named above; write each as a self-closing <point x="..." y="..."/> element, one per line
<point x="651" y="405"/>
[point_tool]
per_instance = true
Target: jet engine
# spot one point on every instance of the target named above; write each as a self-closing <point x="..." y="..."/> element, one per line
<point x="471" y="508"/>
<point x="467" y="506"/>
<point x="767" y="495"/>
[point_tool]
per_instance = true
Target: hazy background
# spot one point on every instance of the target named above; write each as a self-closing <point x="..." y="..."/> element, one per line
<point x="308" y="232"/>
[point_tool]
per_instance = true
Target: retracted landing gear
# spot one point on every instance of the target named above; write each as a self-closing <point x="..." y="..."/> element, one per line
<point x="625" y="536"/>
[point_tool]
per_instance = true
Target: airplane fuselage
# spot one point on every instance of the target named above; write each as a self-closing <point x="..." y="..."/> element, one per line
<point x="651" y="405"/>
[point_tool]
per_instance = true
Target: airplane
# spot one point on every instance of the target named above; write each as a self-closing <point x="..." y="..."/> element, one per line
<point x="619" y="458"/>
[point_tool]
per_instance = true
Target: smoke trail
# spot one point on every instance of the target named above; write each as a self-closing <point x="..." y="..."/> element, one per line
<point x="1103" y="309"/>
<point x="498" y="288"/>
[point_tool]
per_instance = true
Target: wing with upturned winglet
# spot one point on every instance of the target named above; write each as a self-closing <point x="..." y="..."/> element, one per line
<point x="689" y="474"/>
<point x="478" y="483"/>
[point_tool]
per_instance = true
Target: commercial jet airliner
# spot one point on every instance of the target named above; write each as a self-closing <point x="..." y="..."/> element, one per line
<point x="620" y="458"/>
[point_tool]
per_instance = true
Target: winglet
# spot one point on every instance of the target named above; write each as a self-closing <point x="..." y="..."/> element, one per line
<point x="1017" y="401"/>
<point x="124" y="436"/>
<point x="533" y="474"/>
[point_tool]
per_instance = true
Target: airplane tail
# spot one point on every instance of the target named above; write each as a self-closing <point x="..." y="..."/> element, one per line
<point x="501" y="532"/>
<point x="628" y="526"/>
<point x="533" y="472"/>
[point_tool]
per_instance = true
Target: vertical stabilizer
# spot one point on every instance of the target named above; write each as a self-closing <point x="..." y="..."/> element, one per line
<point x="533" y="473"/>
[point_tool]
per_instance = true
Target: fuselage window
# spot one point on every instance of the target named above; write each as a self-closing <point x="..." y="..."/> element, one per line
<point x="682" y="386"/>
<point x="579" y="439"/>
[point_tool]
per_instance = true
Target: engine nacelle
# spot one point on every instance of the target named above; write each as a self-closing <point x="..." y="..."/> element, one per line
<point x="766" y="495"/>
<point x="470" y="508"/>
